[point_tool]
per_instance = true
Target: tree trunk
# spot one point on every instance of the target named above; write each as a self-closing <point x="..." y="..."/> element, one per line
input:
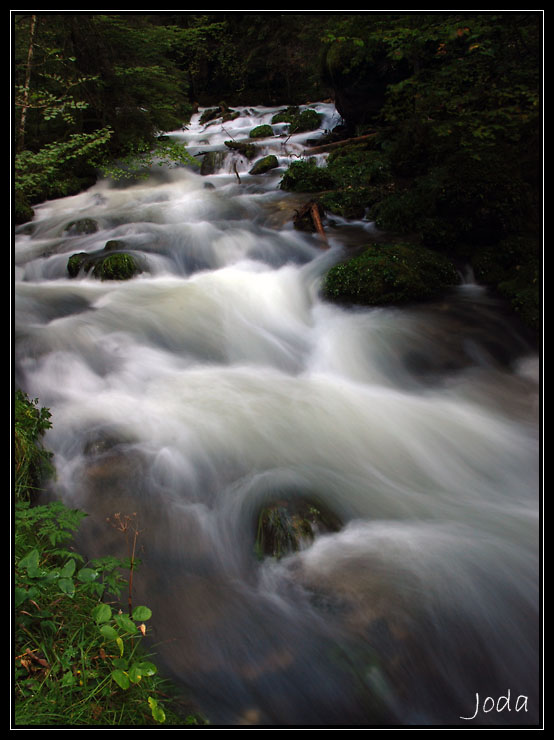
<point x="25" y="106"/>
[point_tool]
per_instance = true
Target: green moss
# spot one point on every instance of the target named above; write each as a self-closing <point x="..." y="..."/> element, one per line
<point x="22" y="210"/>
<point x="308" y="120"/>
<point x="260" y="132"/>
<point x="264" y="165"/>
<point x="78" y="262"/>
<point x="116" y="267"/>
<point x="304" y="176"/>
<point x="389" y="274"/>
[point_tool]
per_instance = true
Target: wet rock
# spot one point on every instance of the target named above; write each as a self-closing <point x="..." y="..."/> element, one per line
<point x="82" y="226"/>
<point x="290" y="525"/>
<point x="390" y="274"/>
<point x="260" y="132"/>
<point x="264" y="165"/>
<point x="105" y="264"/>
<point x="245" y="148"/>
<point x="211" y="162"/>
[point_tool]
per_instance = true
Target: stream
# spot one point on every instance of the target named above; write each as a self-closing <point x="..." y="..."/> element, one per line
<point x="218" y="381"/>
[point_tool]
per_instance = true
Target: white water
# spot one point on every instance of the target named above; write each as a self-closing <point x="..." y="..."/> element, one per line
<point x="218" y="380"/>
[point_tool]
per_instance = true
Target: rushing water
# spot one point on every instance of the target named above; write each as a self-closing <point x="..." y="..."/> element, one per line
<point x="218" y="380"/>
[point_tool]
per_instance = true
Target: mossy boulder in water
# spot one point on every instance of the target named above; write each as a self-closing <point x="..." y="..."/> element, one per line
<point x="264" y="165"/>
<point x="116" y="267"/>
<point x="82" y="226"/>
<point x="290" y="525"/>
<point x="261" y="132"/>
<point x="307" y="120"/>
<point x="104" y="266"/>
<point x="390" y="274"/>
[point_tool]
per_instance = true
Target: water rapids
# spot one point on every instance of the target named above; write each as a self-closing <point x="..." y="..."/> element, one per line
<point x="218" y="381"/>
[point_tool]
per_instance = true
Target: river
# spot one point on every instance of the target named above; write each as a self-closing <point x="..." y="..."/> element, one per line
<point x="218" y="381"/>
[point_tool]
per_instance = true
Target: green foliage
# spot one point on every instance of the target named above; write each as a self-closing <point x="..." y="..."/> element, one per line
<point x="32" y="462"/>
<point x="79" y="660"/>
<point x="304" y="176"/>
<point x="389" y="274"/>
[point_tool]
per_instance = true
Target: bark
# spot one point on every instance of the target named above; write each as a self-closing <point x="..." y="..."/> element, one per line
<point x="25" y="106"/>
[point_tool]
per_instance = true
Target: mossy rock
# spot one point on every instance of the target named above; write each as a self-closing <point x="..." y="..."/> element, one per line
<point x="304" y="176"/>
<point x="211" y="162"/>
<point x="77" y="262"/>
<point x="264" y="165"/>
<point x="82" y="226"/>
<point x="390" y="274"/>
<point x="286" y="116"/>
<point x="114" y="244"/>
<point x="261" y="132"/>
<point x="308" y="120"/>
<point x="116" y="267"/>
<point x="246" y="149"/>
<point x="22" y="210"/>
<point x="112" y="266"/>
<point x="290" y="525"/>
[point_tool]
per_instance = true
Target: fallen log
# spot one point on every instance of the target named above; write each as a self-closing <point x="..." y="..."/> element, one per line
<point x="308" y="218"/>
<point x="336" y="144"/>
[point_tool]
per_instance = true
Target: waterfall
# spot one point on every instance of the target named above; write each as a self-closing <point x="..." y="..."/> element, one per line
<point x="217" y="381"/>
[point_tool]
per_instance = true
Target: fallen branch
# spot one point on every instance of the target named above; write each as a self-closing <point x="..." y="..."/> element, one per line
<point x="316" y="218"/>
<point x="337" y="144"/>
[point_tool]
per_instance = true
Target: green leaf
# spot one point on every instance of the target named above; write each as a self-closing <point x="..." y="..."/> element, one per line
<point x="87" y="575"/>
<point x="141" y="613"/>
<point x="157" y="712"/>
<point x="123" y="621"/>
<point x="119" y="643"/>
<point x="135" y="674"/>
<point x="68" y="679"/>
<point x="101" y="613"/>
<point x="121" y="678"/>
<point x="20" y="594"/>
<point x="67" y="586"/>
<point x="31" y="560"/>
<point x="68" y="570"/>
<point x="108" y="632"/>
<point x="147" y="668"/>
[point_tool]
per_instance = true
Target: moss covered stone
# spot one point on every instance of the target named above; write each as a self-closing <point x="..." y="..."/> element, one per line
<point x="246" y="149"/>
<point x="290" y="525"/>
<point x="78" y="262"/>
<point x="261" y="132"/>
<point x="116" y="267"/>
<point x="390" y="274"/>
<point x="304" y="176"/>
<point x="264" y="165"/>
<point x="105" y="265"/>
<point x="82" y="226"/>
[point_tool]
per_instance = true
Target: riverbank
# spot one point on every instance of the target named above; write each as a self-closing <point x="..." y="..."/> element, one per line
<point x="79" y="661"/>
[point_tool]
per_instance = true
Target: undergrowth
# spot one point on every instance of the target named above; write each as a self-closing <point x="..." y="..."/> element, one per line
<point x="80" y="659"/>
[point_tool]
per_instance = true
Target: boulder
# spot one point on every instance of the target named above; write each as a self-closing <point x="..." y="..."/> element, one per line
<point x="82" y="226"/>
<point x="261" y="132"/>
<point x="105" y="264"/>
<point x="290" y="525"/>
<point x="264" y="165"/>
<point x="390" y="274"/>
